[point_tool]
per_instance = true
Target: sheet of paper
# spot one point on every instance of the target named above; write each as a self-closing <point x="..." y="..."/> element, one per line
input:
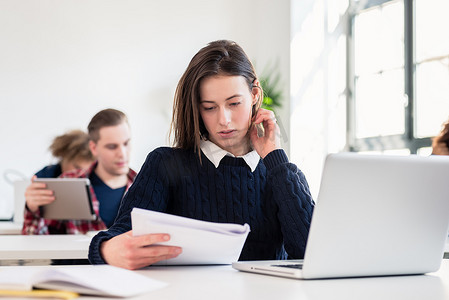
<point x="202" y="242"/>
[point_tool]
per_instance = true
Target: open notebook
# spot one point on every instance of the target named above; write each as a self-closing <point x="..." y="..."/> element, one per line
<point x="375" y="215"/>
<point x="103" y="280"/>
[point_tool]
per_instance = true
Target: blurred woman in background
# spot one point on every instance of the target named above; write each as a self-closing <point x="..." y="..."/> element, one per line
<point x="440" y="143"/>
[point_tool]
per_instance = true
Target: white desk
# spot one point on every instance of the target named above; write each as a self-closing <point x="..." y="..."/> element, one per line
<point x="43" y="247"/>
<point x="223" y="282"/>
<point x="23" y="247"/>
<point x="9" y="227"/>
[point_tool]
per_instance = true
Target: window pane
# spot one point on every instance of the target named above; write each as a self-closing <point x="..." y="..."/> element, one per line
<point x="432" y="70"/>
<point x="379" y="38"/>
<point x="425" y="151"/>
<point x="380" y="104"/>
<point x="432" y="28"/>
<point x="432" y="97"/>
<point x="379" y="70"/>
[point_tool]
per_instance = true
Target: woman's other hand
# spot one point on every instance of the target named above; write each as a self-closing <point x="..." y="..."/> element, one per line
<point x="135" y="252"/>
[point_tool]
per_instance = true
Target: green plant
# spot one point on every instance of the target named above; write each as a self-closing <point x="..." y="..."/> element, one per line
<point x="270" y="82"/>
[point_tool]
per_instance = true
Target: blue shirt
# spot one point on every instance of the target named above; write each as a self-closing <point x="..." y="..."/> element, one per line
<point x="109" y="199"/>
<point x="51" y="171"/>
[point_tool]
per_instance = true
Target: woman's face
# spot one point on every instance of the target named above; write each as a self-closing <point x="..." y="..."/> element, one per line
<point x="225" y="107"/>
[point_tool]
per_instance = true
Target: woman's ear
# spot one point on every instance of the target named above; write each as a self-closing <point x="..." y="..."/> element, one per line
<point x="256" y="91"/>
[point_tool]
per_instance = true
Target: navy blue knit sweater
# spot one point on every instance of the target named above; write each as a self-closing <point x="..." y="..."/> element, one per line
<point x="274" y="199"/>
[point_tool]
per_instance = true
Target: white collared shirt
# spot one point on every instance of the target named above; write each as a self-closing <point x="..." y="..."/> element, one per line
<point x="215" y="154"/>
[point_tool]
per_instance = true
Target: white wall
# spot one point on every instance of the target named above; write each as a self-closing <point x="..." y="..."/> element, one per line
<point x="272" y="28"/>
<point x="61" y="61"/>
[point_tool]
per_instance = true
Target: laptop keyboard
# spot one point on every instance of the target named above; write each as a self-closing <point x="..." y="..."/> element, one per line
<point x="293" y="266"/>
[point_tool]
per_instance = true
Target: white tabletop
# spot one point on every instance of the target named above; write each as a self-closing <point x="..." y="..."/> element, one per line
<point x="223" y="282"/>
<point x="9" y="227"/>
<point x="22" y="247"/>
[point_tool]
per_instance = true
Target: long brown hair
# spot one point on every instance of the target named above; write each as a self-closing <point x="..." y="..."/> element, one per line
<point x="444" y="134"/>
<point x="221" y="57"/>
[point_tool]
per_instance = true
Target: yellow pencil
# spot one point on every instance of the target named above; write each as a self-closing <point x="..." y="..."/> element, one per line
<point x="40" y="294"/>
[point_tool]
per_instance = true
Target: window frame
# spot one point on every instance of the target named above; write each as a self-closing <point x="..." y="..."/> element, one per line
<point x="407" y="140"/>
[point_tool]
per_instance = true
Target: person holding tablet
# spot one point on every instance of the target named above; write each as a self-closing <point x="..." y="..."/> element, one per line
<point x="220" y="169"/>
<point x="110" y="177"/>
<point x="72" y="150"/>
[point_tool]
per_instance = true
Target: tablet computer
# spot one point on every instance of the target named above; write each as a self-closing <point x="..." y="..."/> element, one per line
<point x="73" y="200"/>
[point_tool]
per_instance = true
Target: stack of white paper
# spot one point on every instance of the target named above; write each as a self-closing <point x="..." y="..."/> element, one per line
<point x="201" y="242"/>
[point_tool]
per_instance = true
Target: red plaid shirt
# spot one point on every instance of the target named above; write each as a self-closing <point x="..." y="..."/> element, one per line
<point x="35" y="224"/>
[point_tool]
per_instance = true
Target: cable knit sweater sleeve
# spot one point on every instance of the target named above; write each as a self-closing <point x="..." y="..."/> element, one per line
<point x="149" y="190"/>
<point x="291" y="193"/>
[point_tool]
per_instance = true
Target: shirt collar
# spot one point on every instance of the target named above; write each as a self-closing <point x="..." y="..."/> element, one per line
<point x="215" y="154"/>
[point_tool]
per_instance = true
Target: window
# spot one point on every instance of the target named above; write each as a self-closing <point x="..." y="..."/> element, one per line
<point x="432" y="65"/>
<point x="398" y="74"/>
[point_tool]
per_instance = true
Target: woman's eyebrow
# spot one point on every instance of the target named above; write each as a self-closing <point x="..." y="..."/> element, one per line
<point x="229" y="98"/>
<point x="233" y="96"/>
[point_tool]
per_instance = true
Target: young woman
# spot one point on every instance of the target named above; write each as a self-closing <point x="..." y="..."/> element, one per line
<point x="220" y="170"/>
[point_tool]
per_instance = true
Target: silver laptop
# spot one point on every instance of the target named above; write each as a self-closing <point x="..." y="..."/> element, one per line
<point x="375" y="215"/>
